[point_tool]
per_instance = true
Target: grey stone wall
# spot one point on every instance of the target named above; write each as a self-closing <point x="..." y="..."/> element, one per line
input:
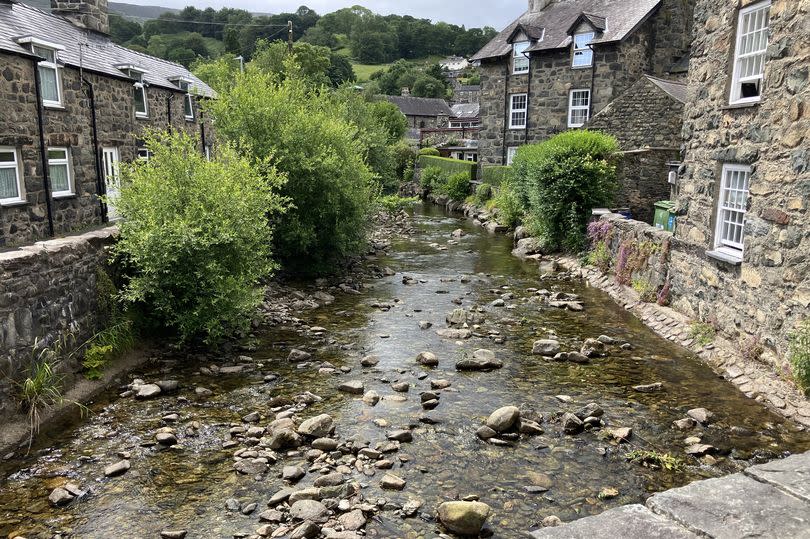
<point x="770" y="291"/>
<point x="47" y="290"/>
<point x="650" y="49"/>
<point x="72" y="127"/>
<point x="642" y="176"/>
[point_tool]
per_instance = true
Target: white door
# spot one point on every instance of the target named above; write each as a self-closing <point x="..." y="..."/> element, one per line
<point x="111" y="180"/>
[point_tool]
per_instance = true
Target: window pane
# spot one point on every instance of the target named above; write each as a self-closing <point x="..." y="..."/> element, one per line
<point x="59" y="178"/>
<point x="8" y="183"/>
<point x="189" y="109"/>
<point x="140" y="101"/>
<point x="48" y="54"/>
<point x="7" y="157"/>
<point x="49" y="81"/>
<point x="57" y="154"/>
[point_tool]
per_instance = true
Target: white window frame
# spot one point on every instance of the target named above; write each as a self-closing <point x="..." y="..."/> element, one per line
<point x="572" y="107"/>
<point x="732" y="207"/>
<point x="143" y="154"/>
<point x="748" y="15"/>
<point x="511" y="152"/>
<point x="585" y="51"/>
<point x="513" y="111"/>
<point x="520" y="61"/>
<point x="71" y="190"/>
<point x="137" y="73"/>
<point x="188" y="99"/>
<point x="471" y="156"/>
<point x="16" y="165"/>
<point x="54" y="66"/>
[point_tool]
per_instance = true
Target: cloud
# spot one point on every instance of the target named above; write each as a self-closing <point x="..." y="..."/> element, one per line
<point x="476" y="13"/>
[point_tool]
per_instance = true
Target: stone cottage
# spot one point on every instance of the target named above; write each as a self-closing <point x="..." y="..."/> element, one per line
<point x="422" y="112"/>
<point x="741" y="259"/>
<point x="563" y="61"/>
<point x="74" y="105"/>
<point x="647" y="121"/>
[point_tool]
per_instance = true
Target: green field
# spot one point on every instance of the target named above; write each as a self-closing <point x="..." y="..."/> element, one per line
<point x="364" y="71"/>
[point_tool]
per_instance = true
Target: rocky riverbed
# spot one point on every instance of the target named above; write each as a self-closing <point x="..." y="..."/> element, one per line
<point x="448" y="388"/>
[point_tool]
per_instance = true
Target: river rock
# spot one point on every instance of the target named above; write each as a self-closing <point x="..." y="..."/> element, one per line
<point x="455" y="334"/>
<point x="456" y="318"/>
<point x="571" y="423"/>
<point x="428" y="359"/>
<point x="400" y="435"/>
<point x="701" y="415"/>
<point x="591" y="410"/>
<point x="311" y="510"/>
<point x="119" y="468"/>
<point x="353" y="520"/>
<point x="576" y="357"/>
<point x="440" y="384"/>
<point x="392" y="482"/>
<point x="530" y="428"/>
<point x="330" y="480"/>
<point x="370" y="361"/>
<point x="503" y="419"/>
<point x="620" y="434"/>
<point x="699" y="450"/>
<point x="203" y="392"/>
<point x="552" y="521"/>
<point x="424" y="324"/>
<point x="464" y="518"/>
<point x="684" y="424"/>
<point x="168" y="386"/>
<point x="317" y="427"/>
<point x="528" y="246"/>
<point x="481" y="360"/>
<point x="545" y="347"/>
<point x="60" y="496"/>
<point x="292" y="473"/>
<point x="167" y="439"/>
<point x="297" y="356"/>
<point x="255" y="466"/>
<point x="147" y="391"/>
<point x="284" y="439"/>
<point x="401" y="387"/>
<point x="307" y="530"/>
<point x="355" y="387"/>
<point x="592" y="348"/>
<point x="649" y="388"/>
<point x="371" y="398"/>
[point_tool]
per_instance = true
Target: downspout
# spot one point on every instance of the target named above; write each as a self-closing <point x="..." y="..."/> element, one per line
<point x="528" y="99"/>
<point x="506" y="104"/>
<point x="202" y="131"/>
<point x="46" y="181"/>
<point x="169" y="112"/>
<point x="101" y="188"/>
<point x="593" y="81"/>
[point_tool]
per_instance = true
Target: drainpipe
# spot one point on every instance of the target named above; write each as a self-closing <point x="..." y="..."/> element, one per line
<point x="46" y="181"/>
<point x="202" y="131"/>
<point x="593" y="81"/>
<point x="528" y="99"/>
<point x="169" y="112"/>
<point x="101" y="188"/>
<point x="506" y="107"/>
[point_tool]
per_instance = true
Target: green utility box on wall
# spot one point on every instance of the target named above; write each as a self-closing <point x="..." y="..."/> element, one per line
<point x="664" y="217"/>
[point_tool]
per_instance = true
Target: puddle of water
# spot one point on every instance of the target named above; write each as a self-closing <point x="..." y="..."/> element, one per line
<point x="187" y="487"/>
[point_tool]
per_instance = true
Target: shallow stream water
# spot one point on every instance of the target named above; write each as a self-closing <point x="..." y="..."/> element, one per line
<point x="186" y="487"/>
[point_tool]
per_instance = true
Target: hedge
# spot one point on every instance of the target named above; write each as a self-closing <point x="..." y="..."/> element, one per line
<point x="494" y="175"/>
<point x="449" y="166"/>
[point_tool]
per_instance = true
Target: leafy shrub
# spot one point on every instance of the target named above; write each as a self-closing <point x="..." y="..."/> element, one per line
<point x="483" y="193"/>
<point x="600" y="257"/>
<point x="646" y="291"/>
<point x="405" y="156"/>
<point x="106" y="346"/>
<point x="507" y="207"/>
<point x="702" y="333"/>
<point x="799" y="354"/>
<point x="457" y="186"/>
<point x="196" y="236"/>
<point x="561" y="180"/>
<point x="95" y="359"/>
<point x="396" y="203"/>
<point x="494" y="175"/>
<point x="432" y="178"/>
<point x="429" y="151"/>
<point x="306" y="136"/>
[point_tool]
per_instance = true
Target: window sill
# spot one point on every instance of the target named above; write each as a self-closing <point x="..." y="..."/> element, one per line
<point x="582" y="67"/>
<point x="734" y="106"/>
<point x="53" y="107"/>
<point x="63" y="196"/>
<point x="13" y="203"/>
<point x="191" y="120"/>
<point x="141" y="117"/>
<point x="724" y="256"/>
<point x="521" y="128"/>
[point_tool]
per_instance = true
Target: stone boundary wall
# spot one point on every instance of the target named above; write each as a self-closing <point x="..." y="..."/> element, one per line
<point x="672" y="261"/>
<point x="47" y="290"/>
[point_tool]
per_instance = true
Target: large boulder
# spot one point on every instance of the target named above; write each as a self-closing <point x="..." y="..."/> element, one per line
<point x="546" y="347"/>
<point x="464" y="518"/>
<point x="481" y="360"/>
<point x="528" y="246"/>
<point x="503" y="419"/>
<point x="316" y="427"/>
<point x="311" y="510"/>
<point x="428" y="359"/>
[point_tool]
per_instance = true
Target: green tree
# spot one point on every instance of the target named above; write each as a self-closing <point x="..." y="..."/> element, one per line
<point x="312" y="62"/>
<point x="219" y="74"/>
<point x="303" y="133"/>
<point x="561" y="180"/>
<point x="123" y="30"/>
<point x="340" y="70"/>
<point x="195" y="236"/>
<point x="427" y="86"/>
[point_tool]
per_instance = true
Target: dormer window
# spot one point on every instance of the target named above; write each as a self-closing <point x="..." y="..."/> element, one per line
<point x="520" y="61"/>
<point x="188" y="99"/>
<point x="50" y="79"/>
<point x="583" y="54"/>
<point x="139" y="100"/>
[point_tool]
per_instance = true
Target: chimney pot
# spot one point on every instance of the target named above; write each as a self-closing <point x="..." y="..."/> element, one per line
<point x="90" y="14"/>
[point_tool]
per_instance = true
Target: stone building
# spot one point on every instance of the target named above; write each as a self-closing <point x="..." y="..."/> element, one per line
<point x="422" y="112"/>
<point x="74" y="105"/>
<point x="742" y="252"/>
<point x="562" y="61"/>
<point x="647" y="121"/>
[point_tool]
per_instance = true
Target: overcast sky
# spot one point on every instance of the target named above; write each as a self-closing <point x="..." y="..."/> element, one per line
<point x="472" y="13"/>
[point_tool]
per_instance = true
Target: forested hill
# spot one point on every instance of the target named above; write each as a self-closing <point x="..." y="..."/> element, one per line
<point x="357" y="32"/>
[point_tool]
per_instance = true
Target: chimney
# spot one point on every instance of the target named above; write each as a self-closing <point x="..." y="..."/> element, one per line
<point x="538" y="5"/>
<point x="90" y="14"/>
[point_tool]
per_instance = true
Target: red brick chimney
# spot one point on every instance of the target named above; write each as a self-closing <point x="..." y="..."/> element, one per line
<point x="90" y="14"/>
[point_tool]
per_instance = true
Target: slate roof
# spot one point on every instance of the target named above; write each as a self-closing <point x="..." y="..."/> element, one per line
<point x="676" y="90"/>
<point x="420" y="106"/>
<point x="619" y="17"/>
<point x="469" y="88"/>
<point x="465" y="111"/>
<point x="100" y="55"/>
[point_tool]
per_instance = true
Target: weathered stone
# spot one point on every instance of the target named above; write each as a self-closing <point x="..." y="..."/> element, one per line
<point x="400" y="435"/>
<point x="355" y="387"/>
<point x="147" y="391"/>
<point x="119" y="468"/>
<point x="59" y="497"/>
<point x="649" y="388"/>
<point x="620" y="434"/>
<point x="503" y="419"/>
<point x="284" y="439"/>
<point x="546" y="347"/>
<point x="628" y="522"/>
<point x="701" y="415"/>
<point x="250" y="466"/>
<point x="317" y="427"/>
<point x="481" y="360"/>
<point x="292" y="473"/>
<point x="392" y="482"/>
<point x="464" y="518"/>
<point x="371" y="398"/>
<point x="353" y="520"/>
<point x="311" y="510"/>
<point x="427" y="359"/>
<point x="370" y="361"/>
<point x="297" y="356"/>
<point x="571" y="423"/>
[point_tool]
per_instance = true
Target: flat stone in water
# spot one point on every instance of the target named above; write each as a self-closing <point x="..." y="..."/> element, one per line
<point x="628" y="522"/>
<point x="311" y="510"/>
<point x="355" y="387"/>
<point x="119" y="468"/>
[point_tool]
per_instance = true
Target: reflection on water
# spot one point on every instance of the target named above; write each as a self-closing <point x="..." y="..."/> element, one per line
<point x="186" y="487"/>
